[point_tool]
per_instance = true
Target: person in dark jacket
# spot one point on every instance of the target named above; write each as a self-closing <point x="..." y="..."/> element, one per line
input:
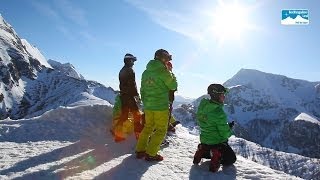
<point x="128" y="92"/>
<point x="214" y="130"/>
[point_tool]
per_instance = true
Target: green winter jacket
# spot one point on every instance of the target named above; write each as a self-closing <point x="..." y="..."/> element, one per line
<point x="155" y="84"/>
<point x="214" y="128"/>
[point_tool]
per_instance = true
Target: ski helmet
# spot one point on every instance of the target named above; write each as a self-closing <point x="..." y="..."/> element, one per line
<point x="161" y="53"/>
<point x="129" y="57"/>
<point x="217" y="89"/>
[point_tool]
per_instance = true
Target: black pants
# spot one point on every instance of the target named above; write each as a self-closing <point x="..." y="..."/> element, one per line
<point x="228" y="155"/>
<point x="128" y="104"/>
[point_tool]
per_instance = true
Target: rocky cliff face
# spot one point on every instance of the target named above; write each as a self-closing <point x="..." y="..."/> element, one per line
<point x="31" y="86"/>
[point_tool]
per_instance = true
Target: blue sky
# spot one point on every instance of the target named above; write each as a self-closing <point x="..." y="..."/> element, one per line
<point x="95" y="35"/>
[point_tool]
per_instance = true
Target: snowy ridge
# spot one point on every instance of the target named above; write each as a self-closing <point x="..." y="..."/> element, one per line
<point x="304" y="167"/>
<point x="179" y="100"/>
<point x="267" y="104"/>
<point x="308" y="118"/>
<point x="67" y="69"/>
<point x="72" y="143"/>
<point x="35" y="53"/>
<point x="264" y="107"/>
<point x="31" y="86"/>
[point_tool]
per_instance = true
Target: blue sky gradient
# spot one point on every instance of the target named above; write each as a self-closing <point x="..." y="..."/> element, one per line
<point x="95" y="35"/>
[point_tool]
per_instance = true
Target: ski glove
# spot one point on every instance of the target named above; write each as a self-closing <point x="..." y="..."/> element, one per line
<point x="231" y="124"/>
<point x="1" y="97"/>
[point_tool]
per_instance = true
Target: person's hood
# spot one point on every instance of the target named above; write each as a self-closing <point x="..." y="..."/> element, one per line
<point x="154" y="65"/>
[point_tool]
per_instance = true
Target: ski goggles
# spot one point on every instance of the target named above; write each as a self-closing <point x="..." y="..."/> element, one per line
<point x="225" y="91"/>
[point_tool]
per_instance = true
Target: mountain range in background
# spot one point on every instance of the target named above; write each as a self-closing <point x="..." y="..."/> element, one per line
<point x="272" y="110"/>
<point x="31" y="85"/>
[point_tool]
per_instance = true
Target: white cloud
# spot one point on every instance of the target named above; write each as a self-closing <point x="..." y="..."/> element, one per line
<point x="66" y="32"/>
<point x="72" y="12"/>
<point x="193" y="19"/>
<point x="46" y="10"/>
<point x="182" y="16"/>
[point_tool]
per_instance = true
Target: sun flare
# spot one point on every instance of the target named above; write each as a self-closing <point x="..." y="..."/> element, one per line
<point x="230" y="21"/>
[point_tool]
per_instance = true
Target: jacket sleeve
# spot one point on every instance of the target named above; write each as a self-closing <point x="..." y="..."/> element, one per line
<point x="219" y="119"/>
<point x="201" y="114"/>
<point x="132" y="83"/>
<point x="169" y="79"/>
<point x="142" y="88"/>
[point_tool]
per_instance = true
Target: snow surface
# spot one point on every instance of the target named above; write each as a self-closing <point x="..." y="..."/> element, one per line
<point x="35" y="53"/>
<point x="308" y="118"/>
<point x="72" y="143"/>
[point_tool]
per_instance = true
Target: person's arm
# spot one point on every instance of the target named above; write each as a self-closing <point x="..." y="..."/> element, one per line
<point x="127" y="79"/>
<point x="169" y="79"/>
<point x="219" y="119"/>
<point x="132" y="83"/>
<point x="201" y="114"/>
<point x="1" y="97"/>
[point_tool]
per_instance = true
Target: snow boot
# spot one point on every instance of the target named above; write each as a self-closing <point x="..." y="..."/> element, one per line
<point x="171" y="129"/>
<point x="153" y="158"/>
<point x="174" y="124"/>
<point x="215" y="160"/>
<point x="164" y="143"/>
<point x="198" y="155"/>
<point x="140" y="155"/>
<point x="118" y="139"/>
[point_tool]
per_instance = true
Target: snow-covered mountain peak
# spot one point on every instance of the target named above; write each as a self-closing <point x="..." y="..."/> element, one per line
<point x="1" y="20"/>
<point x="31" y="86"/>
<point x="35" y="53"/>
<point x="261" y="80"/>
<point x="275" y="91"/>
<point x="66" y="68"/>
<point x="308" y="118"/>
<point x="267" y="104"/>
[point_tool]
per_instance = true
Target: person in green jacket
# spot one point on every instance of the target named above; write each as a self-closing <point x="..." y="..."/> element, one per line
<point x="156" y="82"/>
<point x="214" y="130"/>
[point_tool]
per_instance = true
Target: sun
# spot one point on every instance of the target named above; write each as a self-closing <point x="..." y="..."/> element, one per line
<point x="230" y="21"/>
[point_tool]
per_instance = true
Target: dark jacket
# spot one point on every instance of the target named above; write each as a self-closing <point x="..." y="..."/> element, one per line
<point x="127" y="81"/>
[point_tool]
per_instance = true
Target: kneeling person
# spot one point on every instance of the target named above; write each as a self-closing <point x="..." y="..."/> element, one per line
<point x="214" y="130"/>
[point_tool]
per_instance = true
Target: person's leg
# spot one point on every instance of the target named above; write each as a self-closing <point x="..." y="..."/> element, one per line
<point x="146" y="132"/>
<point x="199" y="154"/>
<point x="124" y="109"/>
<point x="161" y="124"/>
<point x="215" y="159"/>
<point x="228" y="155"/>
<point x="137" y="121"/>
<point x="203" y="151"/>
